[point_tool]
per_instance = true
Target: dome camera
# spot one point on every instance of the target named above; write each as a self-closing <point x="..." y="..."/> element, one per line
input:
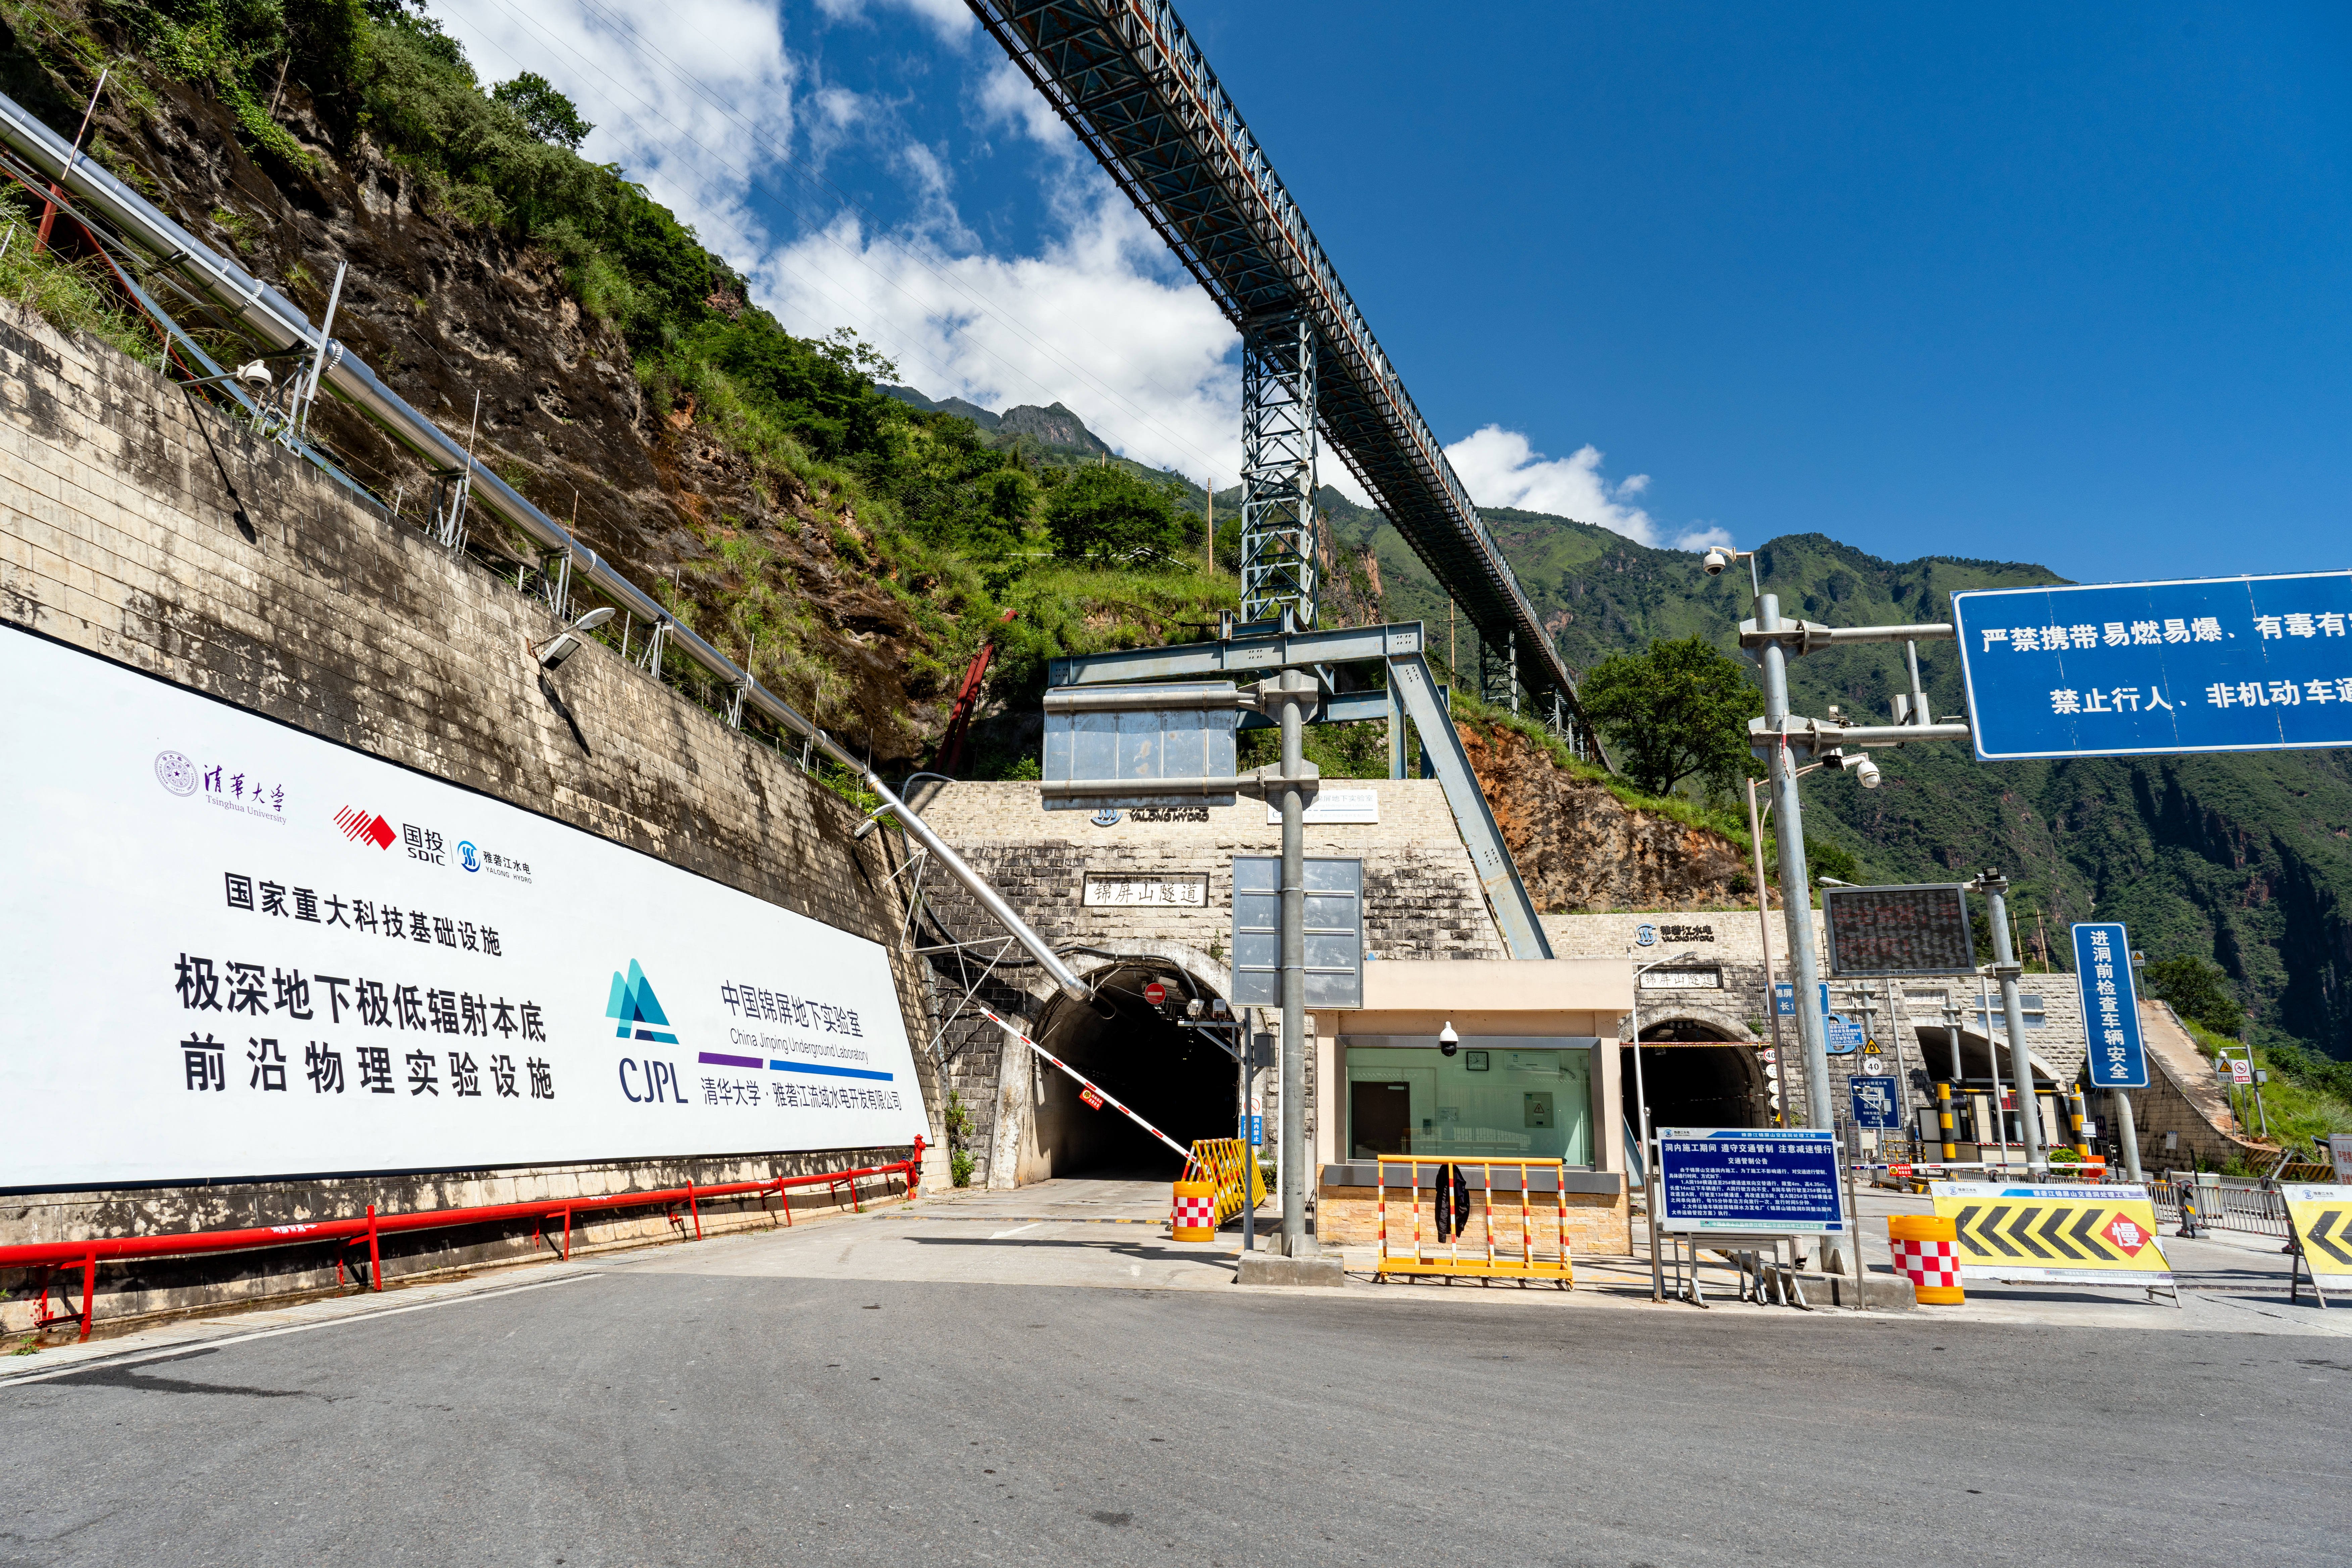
<point x="1865" y="774"/>
<point x="1715" y="561"/>
<point x="1448" y="1042"/>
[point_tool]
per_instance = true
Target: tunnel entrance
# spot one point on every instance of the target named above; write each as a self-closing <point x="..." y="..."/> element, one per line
<point x="1175" y="1077"/>
<point x="1692" y="1082"/>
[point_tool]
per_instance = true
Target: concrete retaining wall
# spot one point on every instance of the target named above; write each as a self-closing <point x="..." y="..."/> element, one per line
<point x="139" y="528"/>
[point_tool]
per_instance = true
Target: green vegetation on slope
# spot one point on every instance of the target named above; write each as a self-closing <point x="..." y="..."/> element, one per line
<point x="949" y="527"/>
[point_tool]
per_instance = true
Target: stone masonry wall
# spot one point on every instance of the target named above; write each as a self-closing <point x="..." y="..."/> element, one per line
<point x="1421" y="896"/>
<point x="139" y="528"/>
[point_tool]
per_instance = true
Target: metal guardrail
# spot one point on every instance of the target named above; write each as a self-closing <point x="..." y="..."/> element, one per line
<point x="374" y="1226"/>
<point x="275" y="321"/>
<point x="2223" y="1203"/>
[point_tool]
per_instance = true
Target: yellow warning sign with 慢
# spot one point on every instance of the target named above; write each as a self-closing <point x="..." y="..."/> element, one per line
<point x="2088" y="1235"/>
<point x="2321" y="1214"/>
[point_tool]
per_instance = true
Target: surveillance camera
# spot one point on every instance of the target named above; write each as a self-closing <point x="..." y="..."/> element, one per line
<point x="1865" y="774"/>
<point x="1715" y="561"/>
<point x="1448" y="1042"/>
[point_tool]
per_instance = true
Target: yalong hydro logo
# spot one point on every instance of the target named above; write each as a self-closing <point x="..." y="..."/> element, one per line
<point x="634" y="1005"/>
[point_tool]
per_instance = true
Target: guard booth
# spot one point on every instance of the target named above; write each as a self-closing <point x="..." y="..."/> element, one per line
<point x="1534" y="1075"/>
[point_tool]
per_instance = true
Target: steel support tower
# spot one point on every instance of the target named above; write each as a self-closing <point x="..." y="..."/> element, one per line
<point x="1281" y="554"/>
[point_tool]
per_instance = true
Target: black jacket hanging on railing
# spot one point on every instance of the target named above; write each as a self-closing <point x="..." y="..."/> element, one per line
<point x="1453" y="1202"/>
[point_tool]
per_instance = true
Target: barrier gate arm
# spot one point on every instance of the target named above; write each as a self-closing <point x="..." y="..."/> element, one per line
<point x="1007" y="1027"/>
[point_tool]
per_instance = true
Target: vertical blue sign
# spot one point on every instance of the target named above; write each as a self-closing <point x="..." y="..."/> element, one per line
<point x="2226" y="664"/>
<point x="1877" y="1104"/>
<point x="1784" y="998"/>
<point x="2110" y="1009"/>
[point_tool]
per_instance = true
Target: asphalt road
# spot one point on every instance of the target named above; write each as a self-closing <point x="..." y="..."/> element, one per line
<point x="660" y="1414"/>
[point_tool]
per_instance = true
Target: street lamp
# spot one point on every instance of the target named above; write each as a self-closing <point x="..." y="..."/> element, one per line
<point x="1641" y="1102"/>
<point x="565" y="643"/>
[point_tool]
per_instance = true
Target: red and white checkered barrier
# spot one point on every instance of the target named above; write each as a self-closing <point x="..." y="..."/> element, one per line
<point x="1932" y="1265"/>
<point x="1196" y="1212"/>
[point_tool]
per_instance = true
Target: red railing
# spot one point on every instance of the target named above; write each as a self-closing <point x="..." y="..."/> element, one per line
<point x="374" y="1226"/>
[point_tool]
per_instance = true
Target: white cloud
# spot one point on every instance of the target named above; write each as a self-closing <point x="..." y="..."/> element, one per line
<point x="1090" y="322"/>
<point x="676" y="111"/>
<point x="1008" y="97"/>
<point x="1503" y="468"/>
<point x="951" y="19"/>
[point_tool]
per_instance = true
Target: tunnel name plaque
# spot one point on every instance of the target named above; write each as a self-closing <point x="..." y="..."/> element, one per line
<point x="1178" y="890"/>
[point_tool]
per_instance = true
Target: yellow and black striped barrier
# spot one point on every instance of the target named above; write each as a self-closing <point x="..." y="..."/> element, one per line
<point x="2055" y="1236"/>
<point x="1226" y="1163"/>
<point x="2319" y="1215"/>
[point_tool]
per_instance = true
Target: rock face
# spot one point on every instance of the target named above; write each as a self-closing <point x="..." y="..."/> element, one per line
<point x="1053" y="425"/>
<point x="1578" y="848"/>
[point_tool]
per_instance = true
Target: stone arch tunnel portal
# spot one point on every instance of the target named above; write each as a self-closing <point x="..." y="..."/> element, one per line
<point x="1174" y="1077"/>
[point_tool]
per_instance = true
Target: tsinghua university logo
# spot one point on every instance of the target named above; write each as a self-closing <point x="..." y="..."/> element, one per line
<point x="175" y="772"/>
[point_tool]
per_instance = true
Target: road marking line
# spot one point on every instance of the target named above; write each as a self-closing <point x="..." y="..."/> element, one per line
<point x="1016" y="1230"/>
<point x="187" y="1347"/>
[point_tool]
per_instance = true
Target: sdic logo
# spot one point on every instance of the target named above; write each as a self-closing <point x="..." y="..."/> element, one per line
<point x="1107" y="817"/>
<point x="1645" y="936"/>
<point x="175" y="772"/>
<point x="468" y="856"/>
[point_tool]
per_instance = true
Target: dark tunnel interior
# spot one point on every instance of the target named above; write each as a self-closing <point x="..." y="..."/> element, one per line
<point x="1173" y="1076"/>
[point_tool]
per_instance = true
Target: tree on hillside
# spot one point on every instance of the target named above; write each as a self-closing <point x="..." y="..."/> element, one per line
<point x="1678" y="711"/>
<point x="551" y="116"/>
<point x="1104" y="512"/>
<point x="2199" y="992"/>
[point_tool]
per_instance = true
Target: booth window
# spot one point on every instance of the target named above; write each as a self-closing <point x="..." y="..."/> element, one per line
<point x="1477" y="1104"/>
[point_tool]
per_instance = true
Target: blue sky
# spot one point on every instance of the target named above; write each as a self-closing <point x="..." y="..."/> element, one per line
<point x="2065" y="285"/>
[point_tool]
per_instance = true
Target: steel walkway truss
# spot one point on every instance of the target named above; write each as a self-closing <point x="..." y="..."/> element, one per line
<point x="1130" y="82"/>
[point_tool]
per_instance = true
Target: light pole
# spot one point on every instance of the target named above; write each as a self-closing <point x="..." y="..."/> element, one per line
<point x="2006" y="969"/>
<point x="1776" y="736"/>
<point x="1649" y="1181"/>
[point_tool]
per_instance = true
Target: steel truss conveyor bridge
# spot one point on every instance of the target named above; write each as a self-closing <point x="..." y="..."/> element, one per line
<point x="1130" y="82"/>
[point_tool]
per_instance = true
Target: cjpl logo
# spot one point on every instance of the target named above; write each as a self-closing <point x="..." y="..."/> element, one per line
<point x="634" y="1005"/>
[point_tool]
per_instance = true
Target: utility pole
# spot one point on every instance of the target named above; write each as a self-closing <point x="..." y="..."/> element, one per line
<point x="2127" y="1133"/>
<point x="2006" y="969"/>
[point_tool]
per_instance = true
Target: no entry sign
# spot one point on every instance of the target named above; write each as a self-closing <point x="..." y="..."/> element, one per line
<point x="1155" y="994"/>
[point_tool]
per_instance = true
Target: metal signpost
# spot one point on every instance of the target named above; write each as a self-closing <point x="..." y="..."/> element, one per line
<point x="2227" y="664"/>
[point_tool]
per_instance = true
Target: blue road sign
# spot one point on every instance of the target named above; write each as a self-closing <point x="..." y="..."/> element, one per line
<point x="2110" y="1009"/>
<point x="1845" y="1033"/>
<point x="1749" y="1178"/>
<point x="2223" y="664"/>
<point x="1877" y="1104"/>
<point x="1784" y="998"/>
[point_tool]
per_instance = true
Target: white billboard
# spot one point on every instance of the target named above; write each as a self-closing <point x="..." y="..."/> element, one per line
<point x="235" y="950"/>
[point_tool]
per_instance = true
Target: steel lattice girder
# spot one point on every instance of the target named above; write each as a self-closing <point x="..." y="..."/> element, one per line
<point x="1279" y="535"/>
<point x="1127" y="78"/>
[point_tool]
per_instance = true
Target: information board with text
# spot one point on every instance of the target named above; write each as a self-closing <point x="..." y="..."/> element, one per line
<point x="2117" y="670"/>
<point x="237" y="949"/>
<point x="1782" y="1180"/>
